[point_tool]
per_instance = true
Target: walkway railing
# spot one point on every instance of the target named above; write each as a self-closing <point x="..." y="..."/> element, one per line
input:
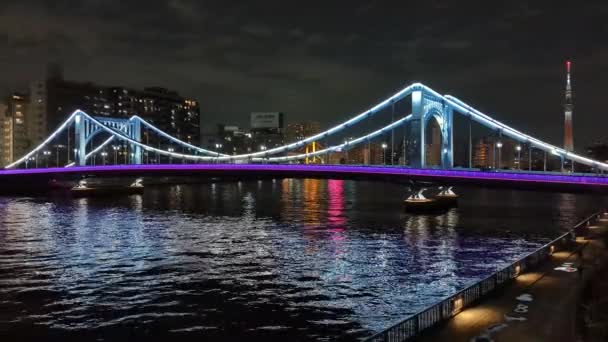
<point x="454" y="304"/>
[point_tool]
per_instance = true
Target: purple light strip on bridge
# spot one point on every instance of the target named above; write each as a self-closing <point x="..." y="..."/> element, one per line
<point x="329" y="169"/>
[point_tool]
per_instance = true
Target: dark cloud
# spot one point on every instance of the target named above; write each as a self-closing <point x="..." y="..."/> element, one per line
<point x="323" y="60"/>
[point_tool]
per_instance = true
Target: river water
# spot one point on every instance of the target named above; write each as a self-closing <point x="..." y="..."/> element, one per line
<point x="284" y="259"/>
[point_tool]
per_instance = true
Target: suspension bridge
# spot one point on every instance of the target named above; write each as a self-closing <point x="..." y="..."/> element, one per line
<point x="86" y="139"/>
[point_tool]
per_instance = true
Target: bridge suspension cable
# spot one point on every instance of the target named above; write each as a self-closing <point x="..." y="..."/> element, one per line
<point x="71" y="119"/>
<point x="339" y="147"/>
<point x="487" y="121"/>
<point x="174" y="139"/>
<point x="338" y="128"/>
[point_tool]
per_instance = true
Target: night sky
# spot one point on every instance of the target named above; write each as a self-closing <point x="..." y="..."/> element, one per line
<point x="325" y="61"/>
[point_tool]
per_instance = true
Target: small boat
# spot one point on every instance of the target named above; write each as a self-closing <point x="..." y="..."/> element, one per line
<point x="82" y="190"/>
<point x="447" y="197"/>
<point x="418" y="203"/>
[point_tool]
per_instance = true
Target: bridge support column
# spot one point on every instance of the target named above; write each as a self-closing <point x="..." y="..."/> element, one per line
<point x="447" y="149"/>
<point x="80" y="140"/>
<point x="415" y="150"/>
<point x="136" y="135"/>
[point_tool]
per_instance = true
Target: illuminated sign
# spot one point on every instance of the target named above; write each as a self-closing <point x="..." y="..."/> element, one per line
<point x="266" y="120"/>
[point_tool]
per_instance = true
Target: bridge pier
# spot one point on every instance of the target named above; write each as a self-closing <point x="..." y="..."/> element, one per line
<point x="447" y="147"/>
<point x="80" y="139"/>
<point x="416" y="152"/>
<point x="424" y="108"/>
<point x="136" y="135"/>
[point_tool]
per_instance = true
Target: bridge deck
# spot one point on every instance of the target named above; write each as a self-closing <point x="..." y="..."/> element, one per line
<point x="533" y="181"/>
<point x="548" y="314"/>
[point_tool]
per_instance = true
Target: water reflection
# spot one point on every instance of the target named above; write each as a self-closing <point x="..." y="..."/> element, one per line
<point x="308" y="259"/>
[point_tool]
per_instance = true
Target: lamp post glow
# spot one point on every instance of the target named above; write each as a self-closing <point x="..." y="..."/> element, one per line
<point x="518" y="148"/>
<point x="499" y="145"/>
<point x="170" y="149"/>
<point x="103" y="155"/>
<point x="57" y="155"/>
<point x="115" y="148"/>
<point x="46" y="157"/>
<point x="384" y="146"/>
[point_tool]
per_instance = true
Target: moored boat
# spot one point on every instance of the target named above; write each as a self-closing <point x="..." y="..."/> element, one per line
<point x="447" y="197"/>
<point x="83" y="190"/>
<point x="417" y="202"/>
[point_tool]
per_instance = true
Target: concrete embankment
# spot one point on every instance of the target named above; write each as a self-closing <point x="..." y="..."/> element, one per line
<point x="546" y="304"/>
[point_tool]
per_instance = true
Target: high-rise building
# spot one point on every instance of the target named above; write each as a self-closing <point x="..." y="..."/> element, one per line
<point x="300" y="130"/>
<point x="568" y="108"/>
<point x="232" y="140"/>
<point x="493" y="152"/>
<point x="267" y="129"/>
<point x="6" y="136"/>
<point x="367" y="154"/>
<point x="15" y="140"/>
<point x="54" y="99"/>
<point x="483" y="153"/>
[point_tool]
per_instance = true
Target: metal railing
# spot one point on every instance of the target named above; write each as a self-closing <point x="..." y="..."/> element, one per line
<point x="471" y="295"/>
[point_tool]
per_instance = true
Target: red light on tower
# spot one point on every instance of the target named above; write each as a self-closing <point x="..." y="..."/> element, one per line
<point x="568" y="65"/>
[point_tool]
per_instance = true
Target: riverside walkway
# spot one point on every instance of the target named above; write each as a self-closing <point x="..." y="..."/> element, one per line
<point x="540" y="305"/>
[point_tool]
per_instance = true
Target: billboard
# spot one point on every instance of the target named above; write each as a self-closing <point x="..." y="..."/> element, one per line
<point x="266" y="120"/>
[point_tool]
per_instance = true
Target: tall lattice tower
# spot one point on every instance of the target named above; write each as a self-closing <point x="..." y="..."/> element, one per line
<point x="568" y="107"/>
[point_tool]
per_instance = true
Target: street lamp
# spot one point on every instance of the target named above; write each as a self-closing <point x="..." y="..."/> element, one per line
<point x="262" y="148"/>
<point x="115" y="148"/>
<point x="171" y="149"/>
<point x="384" y="146"/>
<point x="75" y="155"/>
<point x="346" y="150"/>
<point x="518" y="148"/>
<point x="103" y="155"/>
<point x="499" y="145"/>
<point x="46" y="157"/>
<point x="57" y="154"/>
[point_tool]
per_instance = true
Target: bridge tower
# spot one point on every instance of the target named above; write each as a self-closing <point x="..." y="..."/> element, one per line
<point x="80" y="139"/>
<point x="426" y="107"/>
<point x="86" y="129"/>
<point x="568" y="108"/>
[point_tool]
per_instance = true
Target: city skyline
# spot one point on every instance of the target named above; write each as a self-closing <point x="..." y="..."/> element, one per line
<point x="369" y="171"/>
<point x="234" y="60"/>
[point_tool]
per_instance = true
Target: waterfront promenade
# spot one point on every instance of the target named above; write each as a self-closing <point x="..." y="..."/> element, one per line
<point x="540" y="305"/>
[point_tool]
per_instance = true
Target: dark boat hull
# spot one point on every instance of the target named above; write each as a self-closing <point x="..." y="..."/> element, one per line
<point x="421" y="206"/>
<point x="106" y="191"/>
<point x="448" y="201"/>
